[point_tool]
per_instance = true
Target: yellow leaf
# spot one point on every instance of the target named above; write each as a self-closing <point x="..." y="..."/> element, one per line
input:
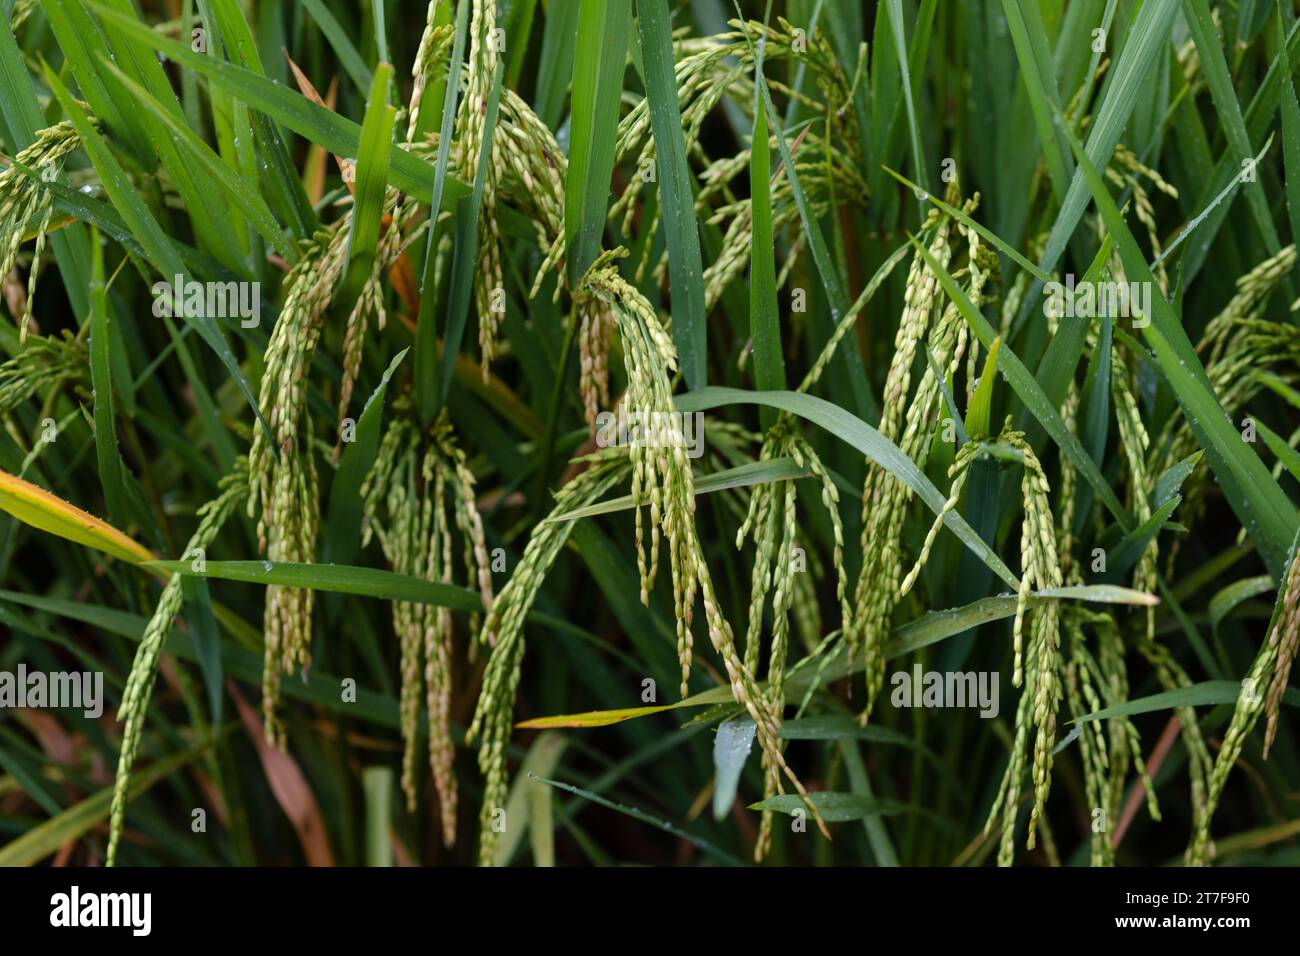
<point x="38" y="508"/>
<point x="594" y="718"/>
<point x="603" y="718"/>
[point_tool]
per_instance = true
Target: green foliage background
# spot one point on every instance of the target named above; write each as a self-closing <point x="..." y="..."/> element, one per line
<point x="399" y="440"/>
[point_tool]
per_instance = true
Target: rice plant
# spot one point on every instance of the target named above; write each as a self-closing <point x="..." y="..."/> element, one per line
<point x="538" y="405"/>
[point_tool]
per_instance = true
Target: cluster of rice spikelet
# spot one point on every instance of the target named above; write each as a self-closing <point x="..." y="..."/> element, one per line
<point x="908" y="419"/>
<point x="662" y="484"/>
<point x="594" y="334"/>
<point x="1134" y="444"/>
<point x="771" y="521"/>
<point x="883" y="497"/>
<point x="435" y="42"/>
<point x="1098" y="677"/>
<point x="1107" y="748"/>
<point x="282" y="479"/>
<point x="370" y="301"/>
<point x="44" y="363"/>
<point x="535" y="169"/>
<point x="1038" y="670"/>
<point x="1134" y="447"/>
<point x="503" y="631"/>
<point x="1282" y="641"/>
<point x="1261" y="693"/>
<point x="1237" y="344"/>
<point x="707" y="70"/>
<point x="663" y="480"/>
<point x="661" y="472"/>
<point x="144" y="669"/>
<point x="1128" y="172"/>
<point x="26" y="203"/>
<point x="418" y="477"/>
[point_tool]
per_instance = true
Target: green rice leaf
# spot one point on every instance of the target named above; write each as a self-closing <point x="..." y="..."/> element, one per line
<point x="343" y="48"/>
<point x="1215" y="70"/>
<point x="207" y="642"/>
<point x="427" y="385"/>
<point x="377" y="786"/>
<point x="1126" y="554"/>
<point x="230" y="30"/>
<point x="340" y="136"/>
<point x="895" y="11"/>
<point x="555" y="64"/>
<point x="1228" y="598"/>
<point x="465" y="258"/>
<point x="541" y="760"/>
<point x="979" y="415"/>
<point x="731" y="747"/>
<point x="338" y="578"/>
<point x="834" y="807"/>
<point x="1287" y="455"/>
<point x="235" y="187"/>
<point x="599" y="60"/>
<point x="1025" y="22"/>
<point x="1168" y="484"/>
<point x="681" y="232"/>
<point x="106" y="453"/>
<point x="637" y="814"/>
<point x="373" y="154"/>
<point x="1290" y="138"/>
<point x="1146" y="41"/>
<point x="764" y="322"/>
<point x="1204" y="694"/>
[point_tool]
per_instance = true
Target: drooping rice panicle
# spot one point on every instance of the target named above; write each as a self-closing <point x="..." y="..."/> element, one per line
<point x="26" y="205"/>
<point x="1261" y="693"/>
<point x="928" y="322"/>
<point x="503" y="631"/>
<point x="772" y="522"/>
<point x="370" y="302"/>
<point x="44" y="363"/>
<point x="418" y="489"/>
<point x="662" y="477"/>
<point x="283" y="491"/>
<point x="435" y="42"/>
<point x="1040" y="564"/>
<point x="144" y="668"/>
